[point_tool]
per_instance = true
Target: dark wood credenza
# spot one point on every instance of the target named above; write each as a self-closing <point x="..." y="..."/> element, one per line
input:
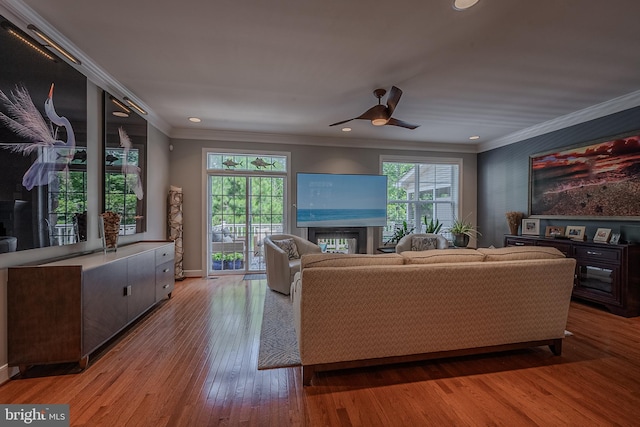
<point x="62" y="311"/>
<point x="606" y="274"/>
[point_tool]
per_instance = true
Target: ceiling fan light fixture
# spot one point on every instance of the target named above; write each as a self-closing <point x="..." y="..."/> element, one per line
<point x="461" y="5"/>
<point x="379" y="122"/>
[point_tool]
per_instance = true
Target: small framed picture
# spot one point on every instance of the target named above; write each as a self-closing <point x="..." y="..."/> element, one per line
<point x="576" y="232"/>
<point x="531" y="226"/>
<point x="554" y="231"/>
<point x="602" y="235"/>
<point x="615" y="238"/>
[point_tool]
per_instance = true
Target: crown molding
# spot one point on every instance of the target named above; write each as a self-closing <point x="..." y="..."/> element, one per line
<point x="22" y="15"/>
<point x="597" y="111"/>
<point x="291" y="139"/>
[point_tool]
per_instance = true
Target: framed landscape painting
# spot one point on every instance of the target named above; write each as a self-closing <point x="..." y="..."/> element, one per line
<point x="597" y="180"/>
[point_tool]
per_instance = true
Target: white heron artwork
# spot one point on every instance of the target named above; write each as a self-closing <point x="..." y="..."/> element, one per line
<point x="131" y="172"/>
<point x="25" y="121"/>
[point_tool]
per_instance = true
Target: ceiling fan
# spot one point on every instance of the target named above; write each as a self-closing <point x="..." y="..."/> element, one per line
<point x="380" y="115"/>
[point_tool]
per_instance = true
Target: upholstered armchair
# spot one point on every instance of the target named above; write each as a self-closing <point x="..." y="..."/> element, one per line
<point x="283" y="259"/>
<point x="422" y="241"/>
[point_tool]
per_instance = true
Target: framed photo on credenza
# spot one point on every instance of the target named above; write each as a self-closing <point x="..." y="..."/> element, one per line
<point x="531" y="226"/>
<point x="576" y="232"/>
<point x="602" y="235"/>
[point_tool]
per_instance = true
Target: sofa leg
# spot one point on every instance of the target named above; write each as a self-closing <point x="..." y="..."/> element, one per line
<point x="556" y="347"/>
<point x="307" y="374"/>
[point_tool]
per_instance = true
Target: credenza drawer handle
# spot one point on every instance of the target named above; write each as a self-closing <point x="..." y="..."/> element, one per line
<point x="594" y="253"/>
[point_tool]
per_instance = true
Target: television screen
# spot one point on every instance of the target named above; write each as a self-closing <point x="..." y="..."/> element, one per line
<point x="334" y="200"/>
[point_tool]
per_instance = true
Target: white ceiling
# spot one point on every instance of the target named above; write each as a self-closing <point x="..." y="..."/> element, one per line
<point x="294" y="67"/>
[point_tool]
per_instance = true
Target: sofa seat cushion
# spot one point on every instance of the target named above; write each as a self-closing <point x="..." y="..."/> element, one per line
<point x="516" y="253"/>
<point x="349" y="260"/>
<point x="442" y="256"/>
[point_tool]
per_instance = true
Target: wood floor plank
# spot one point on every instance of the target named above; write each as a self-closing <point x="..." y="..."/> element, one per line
<point x="192" y="361"/>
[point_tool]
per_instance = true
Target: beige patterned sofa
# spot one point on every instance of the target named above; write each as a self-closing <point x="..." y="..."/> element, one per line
<point x="361" y="310"/>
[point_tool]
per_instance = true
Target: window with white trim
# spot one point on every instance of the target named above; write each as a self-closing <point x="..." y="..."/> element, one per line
<point x="421" y="191"/>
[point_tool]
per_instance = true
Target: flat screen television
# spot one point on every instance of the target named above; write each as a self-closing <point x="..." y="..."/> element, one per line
<point x="341" y="200"/>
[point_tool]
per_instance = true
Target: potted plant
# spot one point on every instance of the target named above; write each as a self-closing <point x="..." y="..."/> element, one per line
<point x="217" y="259"/>
<point x="462" y="230"/>
<point x="229" y="261"/>
<point x="432" y="227"/>
<point x="399" y="233"/>
<point x="238" y="261"/>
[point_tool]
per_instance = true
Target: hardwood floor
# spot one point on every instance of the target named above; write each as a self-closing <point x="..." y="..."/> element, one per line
<point x="192" y="362"/>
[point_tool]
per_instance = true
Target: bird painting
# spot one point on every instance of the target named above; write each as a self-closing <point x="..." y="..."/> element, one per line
<point x="24" y="119"/>
<point x="130" y="172"/>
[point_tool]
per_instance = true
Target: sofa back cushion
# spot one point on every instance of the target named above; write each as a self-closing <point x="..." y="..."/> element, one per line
<point x="515" y="253"/>
<point x="442" y="256"/>
<point x="349" y="260"/>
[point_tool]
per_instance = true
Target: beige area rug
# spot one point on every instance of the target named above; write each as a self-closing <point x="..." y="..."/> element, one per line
<point x="278" y="342"/>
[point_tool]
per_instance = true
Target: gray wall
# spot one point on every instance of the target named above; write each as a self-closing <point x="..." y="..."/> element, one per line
<point x="503" y="177"/>
<point x="157" y="191"/>
<point x="187" y="171"/>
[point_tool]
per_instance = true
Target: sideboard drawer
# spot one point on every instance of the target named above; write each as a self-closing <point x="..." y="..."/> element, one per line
<point x="165" y="280"/>
<point x="603" y="254"/>
<point x="164" y="254"/>
<point x="514" y="241"/>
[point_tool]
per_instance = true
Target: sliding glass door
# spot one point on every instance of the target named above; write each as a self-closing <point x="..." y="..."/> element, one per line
<point x="244" y="206"/>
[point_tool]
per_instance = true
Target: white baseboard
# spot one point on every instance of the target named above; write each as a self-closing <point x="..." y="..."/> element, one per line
<point x="192" y="273"/>
<point x="4" y="374"/>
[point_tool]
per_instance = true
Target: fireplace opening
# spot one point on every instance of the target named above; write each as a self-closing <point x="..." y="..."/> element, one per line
<point x="352" y="240"/>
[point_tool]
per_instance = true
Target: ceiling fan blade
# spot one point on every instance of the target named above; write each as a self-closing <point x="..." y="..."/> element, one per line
<point x="393" y="99"/>
<point x="400" y="123"/>
<point x="375" y="112"/>
<point x="339" y="123"/>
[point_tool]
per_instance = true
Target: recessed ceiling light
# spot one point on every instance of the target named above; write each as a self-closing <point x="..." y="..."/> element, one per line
<point x="194" y="119"/>
<point x="463" y="4"/>
<point x="346" y="129"/>
<point x="474" y="137"/>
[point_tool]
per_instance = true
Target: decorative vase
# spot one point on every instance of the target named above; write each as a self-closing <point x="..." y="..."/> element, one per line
<point x="513" y="220"/>
<point x="460" y="240"/>
<point x="110" y="229"/>
<point x="513" y="229"/>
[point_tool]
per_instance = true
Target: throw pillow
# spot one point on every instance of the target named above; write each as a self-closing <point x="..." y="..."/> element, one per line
<point x="423" y="243"/>
<point x="289" y="247"/>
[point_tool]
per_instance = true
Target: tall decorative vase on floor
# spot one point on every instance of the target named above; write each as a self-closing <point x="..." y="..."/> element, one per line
<point x="175" y="228"/>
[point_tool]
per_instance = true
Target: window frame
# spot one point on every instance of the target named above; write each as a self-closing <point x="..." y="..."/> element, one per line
<point x="427" y="160"/>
